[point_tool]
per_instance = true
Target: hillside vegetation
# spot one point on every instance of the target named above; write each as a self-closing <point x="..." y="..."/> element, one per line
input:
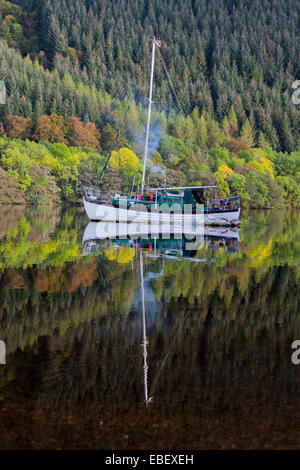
<point x="55" y="171"/>
<point x="76" y="72"/>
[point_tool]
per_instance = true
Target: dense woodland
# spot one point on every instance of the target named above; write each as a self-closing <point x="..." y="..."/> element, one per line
<point x="77" y="72"/>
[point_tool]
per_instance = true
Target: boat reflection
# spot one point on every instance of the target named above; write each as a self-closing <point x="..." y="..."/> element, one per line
<point x="159" y="243"/>
<point x="153" y="242"/>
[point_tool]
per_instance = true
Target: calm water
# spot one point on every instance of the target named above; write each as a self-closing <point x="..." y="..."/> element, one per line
<point x="203" y="362"/>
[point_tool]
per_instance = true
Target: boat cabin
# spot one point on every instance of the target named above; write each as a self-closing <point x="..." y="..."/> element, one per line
<point x="177" y="197"/>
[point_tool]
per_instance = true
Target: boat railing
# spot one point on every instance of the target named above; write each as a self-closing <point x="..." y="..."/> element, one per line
<point x="91" y="193"/>
<point x="123" y="196"/>
<point x="95" y="194"/>
<point x="232" y="201"/>
<point x="224" y="203"/>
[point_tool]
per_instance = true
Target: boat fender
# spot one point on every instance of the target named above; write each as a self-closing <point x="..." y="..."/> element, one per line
<point x="227" y="220"/>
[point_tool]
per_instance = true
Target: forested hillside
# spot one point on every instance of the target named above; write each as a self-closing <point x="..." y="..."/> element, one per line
<point x="220" y="53"/>
<point x="78" y="71"/>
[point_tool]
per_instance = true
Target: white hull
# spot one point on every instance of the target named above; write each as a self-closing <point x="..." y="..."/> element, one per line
<point x="108" y="213"/>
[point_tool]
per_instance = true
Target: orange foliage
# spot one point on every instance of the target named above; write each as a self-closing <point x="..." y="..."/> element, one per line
<point x="18" y="127"/>
<point x="83" y="135"/>
<point x="238" y="145"/>
<point x="93" y="136"/>
<point x="51" y="129"/>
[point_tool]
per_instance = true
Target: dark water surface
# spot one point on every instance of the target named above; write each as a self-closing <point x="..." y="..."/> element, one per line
<point x="206" y="364"/>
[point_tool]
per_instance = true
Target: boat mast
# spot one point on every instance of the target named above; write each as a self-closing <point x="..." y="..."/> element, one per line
<point x="145" y="340"/>
<point x="154" y="43"/>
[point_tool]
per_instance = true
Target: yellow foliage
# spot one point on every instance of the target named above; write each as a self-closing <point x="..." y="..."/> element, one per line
<point x="225" y="171"/>
<point x="268" y="165"/>
<point x="223" y="185"/>
<point x="258" y="152"/>
<point x="264" y="165"/>
<point x="122" y="254"/>
<point x="259" y="254"/>
<point x="123" y="158"/>
<point x="10" y="18"/>
<point x="110" y="254"/>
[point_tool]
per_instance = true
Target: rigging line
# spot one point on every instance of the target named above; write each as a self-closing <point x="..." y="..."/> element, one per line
<point x="171" y="84"/>
<point x="109" y="155"/>
<point x="164" y="361"/>
<point x="111" y="150"/>
<point x="255" y="222"/>
<point x="154" y="384"/>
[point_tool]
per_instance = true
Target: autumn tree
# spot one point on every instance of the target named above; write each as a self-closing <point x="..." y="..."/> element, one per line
<point x="18" y="127"/>
<point x="51" y="129"/>
<point x="124" y="158"/>
<point x="81" y="135"/>
<point x="92" y="136"/>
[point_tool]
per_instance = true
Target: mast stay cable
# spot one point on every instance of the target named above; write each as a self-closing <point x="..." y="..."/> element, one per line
<point x="171" y="83"/>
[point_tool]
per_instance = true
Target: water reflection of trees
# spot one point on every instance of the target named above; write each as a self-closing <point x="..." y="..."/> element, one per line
<point x="221" y="334"/>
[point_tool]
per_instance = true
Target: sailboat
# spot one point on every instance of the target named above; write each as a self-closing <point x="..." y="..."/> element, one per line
<point x="167" y="205"/>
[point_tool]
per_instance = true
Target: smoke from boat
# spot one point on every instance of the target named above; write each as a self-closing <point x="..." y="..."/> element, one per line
<point x="153" y="144"/>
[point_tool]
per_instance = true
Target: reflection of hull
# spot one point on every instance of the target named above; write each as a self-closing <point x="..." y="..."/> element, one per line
<point x="109" y="213"/>
<point x="110" y="230"/>
<point x="223" y="218"/>
<point x="160" y="243"/>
